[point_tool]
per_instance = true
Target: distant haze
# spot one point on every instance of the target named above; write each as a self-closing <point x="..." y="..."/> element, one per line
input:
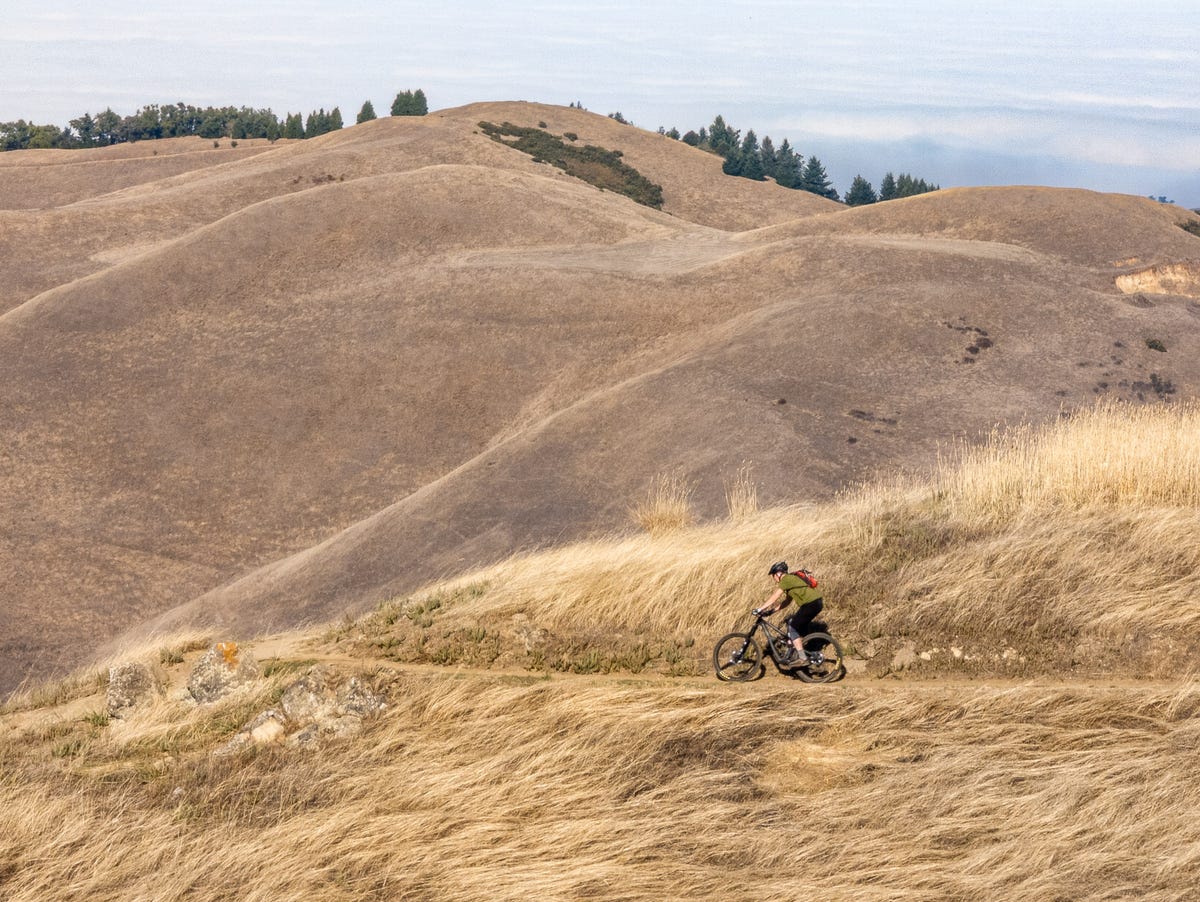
<point x="1087" y="94"/>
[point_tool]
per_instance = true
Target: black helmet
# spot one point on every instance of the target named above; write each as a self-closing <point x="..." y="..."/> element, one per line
<point x="779" y="567"/>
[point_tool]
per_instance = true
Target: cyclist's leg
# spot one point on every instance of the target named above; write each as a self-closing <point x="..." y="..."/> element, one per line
<point x="797" y="624"/>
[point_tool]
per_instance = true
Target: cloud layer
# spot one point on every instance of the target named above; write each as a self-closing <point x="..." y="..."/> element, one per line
<point x="1103" y="84"/>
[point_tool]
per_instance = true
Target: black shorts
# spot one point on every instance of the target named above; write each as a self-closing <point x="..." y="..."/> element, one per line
<point x="798" y="623"/>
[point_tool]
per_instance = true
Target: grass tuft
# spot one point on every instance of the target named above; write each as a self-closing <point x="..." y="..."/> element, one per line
<point x="668" y="505"/>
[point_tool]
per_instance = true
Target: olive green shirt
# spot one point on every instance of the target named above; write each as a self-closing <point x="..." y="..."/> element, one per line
<point x="797" y="589"/>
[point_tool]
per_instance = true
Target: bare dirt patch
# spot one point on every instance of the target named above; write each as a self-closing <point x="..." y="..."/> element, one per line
<point x="1168" y="278"/>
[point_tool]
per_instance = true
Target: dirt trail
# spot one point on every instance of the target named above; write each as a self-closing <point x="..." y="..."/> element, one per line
<point x="302" y="648"/>
<point x="670" y="255"/>
<point x="298" y="647"/>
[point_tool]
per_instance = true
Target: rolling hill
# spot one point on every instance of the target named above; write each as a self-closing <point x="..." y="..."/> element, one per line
<point x="1019" y="719"/>
<point x="259" y="386"/>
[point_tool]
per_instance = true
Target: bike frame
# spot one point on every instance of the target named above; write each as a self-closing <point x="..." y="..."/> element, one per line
<point x="771" y="632"/>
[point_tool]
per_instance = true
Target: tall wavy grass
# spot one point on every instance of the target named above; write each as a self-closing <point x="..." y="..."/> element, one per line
<point x="1112" y="455"/>
<point x="1070" y="541"/>
<point x="479" y="788"/>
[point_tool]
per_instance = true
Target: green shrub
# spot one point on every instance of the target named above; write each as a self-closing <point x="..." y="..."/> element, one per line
<point x="1155" y="345"/>
<point x="597" y="166"/>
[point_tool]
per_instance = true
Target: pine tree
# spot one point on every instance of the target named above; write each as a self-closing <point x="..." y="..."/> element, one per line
<point x="766" y="153"/>
<point x="787" y="166"/>
<point x="733" y="162"/>
<point x="815" y="181"/>
<point x="751" y="167"/>
<point x="887" y="188"/>
<point x="293" y="126"/>
<point x="366" y="114"/>
<point x="85" y="127"/>
<point x="860" y="193"/>
<point x="409" y="103"/>
<point x="722" y="139"/>
<point x="334" y="123"/>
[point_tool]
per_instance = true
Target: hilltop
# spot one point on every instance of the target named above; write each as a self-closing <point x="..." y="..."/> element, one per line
<point x="259" y="386"/>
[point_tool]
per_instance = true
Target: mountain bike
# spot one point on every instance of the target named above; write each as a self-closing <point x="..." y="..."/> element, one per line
<point x="738" y="657"/>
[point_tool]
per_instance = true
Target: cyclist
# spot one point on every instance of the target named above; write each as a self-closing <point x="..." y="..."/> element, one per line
<point x="789" y="588"/>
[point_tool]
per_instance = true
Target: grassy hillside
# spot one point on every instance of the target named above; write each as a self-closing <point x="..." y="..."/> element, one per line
<point x="1046" y="550"/>
<point x="258" y="388"/>
<point x="515" y="776"/>
<point x="494" y="788"/>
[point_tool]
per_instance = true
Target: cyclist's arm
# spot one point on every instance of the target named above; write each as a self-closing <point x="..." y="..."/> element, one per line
<point x="773" y="603"/>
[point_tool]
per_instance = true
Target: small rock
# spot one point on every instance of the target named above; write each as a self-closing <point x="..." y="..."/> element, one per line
<point x="956" y="652"/>
<point x="904" y="657"/>
<point x="926" y="656"/>
<point x="266" y="728"/>
<point x="220" y="670"/>
<point x="128" y="684"/>
<point x="309" y="698"/>
<point x="526" y="633"/>
<point x="358" y="700"/>
<point x="307" y="736"/>
<point x="270" y="726"/>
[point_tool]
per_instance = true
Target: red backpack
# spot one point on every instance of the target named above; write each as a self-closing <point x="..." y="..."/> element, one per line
<point x="809" y="579"/>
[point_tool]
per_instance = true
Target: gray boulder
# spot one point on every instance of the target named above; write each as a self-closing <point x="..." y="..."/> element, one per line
<point x="356" y="699"/>
<point x="220" y="670"/>
<point x="323" y="704"/>
<point x="310" y="698"/>
<point x="128" y="684"/>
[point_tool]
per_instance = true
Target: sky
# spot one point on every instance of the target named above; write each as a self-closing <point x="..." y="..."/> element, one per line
<point x="1098" y="94"/>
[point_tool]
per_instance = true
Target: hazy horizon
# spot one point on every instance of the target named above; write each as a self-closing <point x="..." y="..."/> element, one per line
<point x="1089" y="95"/>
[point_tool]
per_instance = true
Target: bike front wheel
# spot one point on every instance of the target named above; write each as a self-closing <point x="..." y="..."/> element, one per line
<point x="825" y="662"/>
<point x="737" y="658"/>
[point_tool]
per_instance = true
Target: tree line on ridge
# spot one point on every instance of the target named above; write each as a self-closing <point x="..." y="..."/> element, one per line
<point x="750" y="158"/>
<point x="181" y="120"/>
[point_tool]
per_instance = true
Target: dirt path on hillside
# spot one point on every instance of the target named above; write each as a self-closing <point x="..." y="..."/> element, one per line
<point x="300" y="648"/>
<point x="671" y="255"/>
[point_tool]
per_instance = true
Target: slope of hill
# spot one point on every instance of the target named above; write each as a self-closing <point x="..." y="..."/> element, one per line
<point x="591" y="773"/>
<point x="299" y="380"/>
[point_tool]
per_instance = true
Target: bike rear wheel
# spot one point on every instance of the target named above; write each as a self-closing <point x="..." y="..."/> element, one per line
<point x="825" y="662"/>
<point x="737" y="658"/>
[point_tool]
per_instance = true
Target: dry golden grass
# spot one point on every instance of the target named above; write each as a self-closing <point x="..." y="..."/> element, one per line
<point x="741" y="494"/>
<point x="1111" y="455"/>
<point x="478" y="785"/>
<point x="668" y="505"/>
<point x="1070" y="546"/>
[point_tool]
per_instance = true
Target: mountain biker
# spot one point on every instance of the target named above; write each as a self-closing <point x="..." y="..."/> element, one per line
<point x="791" y="587"/>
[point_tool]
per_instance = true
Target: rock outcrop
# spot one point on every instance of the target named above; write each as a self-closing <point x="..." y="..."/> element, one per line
<point x="322" y="704"/>
<point x="128" y="684"/>
<point x="221" y="669"/>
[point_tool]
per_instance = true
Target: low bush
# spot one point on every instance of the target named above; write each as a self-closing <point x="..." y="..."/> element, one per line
<point x="594" y="165"/>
